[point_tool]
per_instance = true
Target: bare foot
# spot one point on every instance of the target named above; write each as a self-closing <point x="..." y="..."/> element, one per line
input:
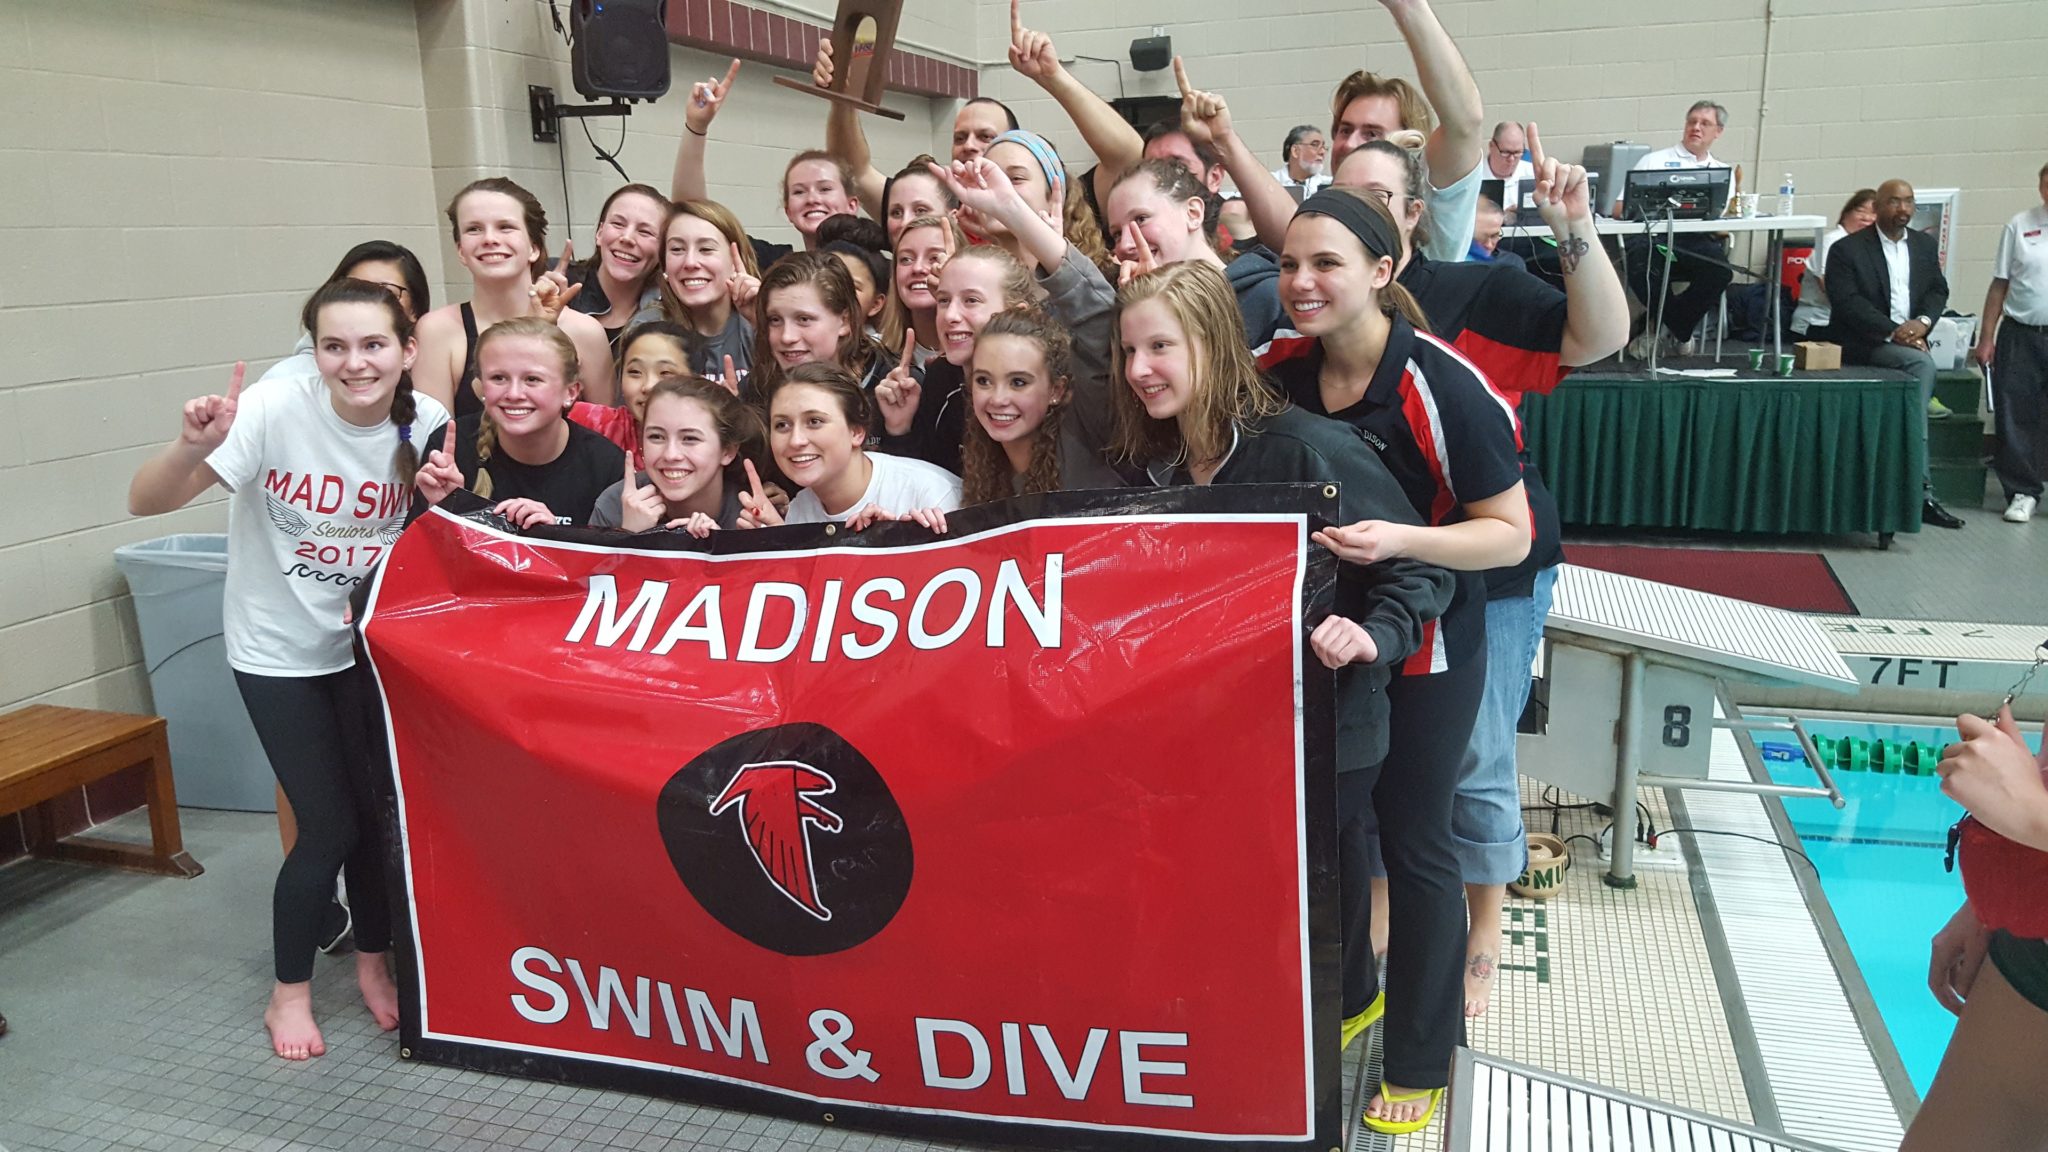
<point x="1479" y="969"/>
<point x="1401" y="1112"/>
<point x="380" y="993"/>
<point x="290" y="1020"/>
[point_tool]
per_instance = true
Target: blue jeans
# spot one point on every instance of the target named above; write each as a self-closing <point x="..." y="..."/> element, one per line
<point x="1486" y="813"/>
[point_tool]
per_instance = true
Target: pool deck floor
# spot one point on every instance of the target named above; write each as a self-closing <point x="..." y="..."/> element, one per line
<point x="136" y="1002"/>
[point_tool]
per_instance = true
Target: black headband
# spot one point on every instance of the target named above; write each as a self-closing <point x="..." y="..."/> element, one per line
<point x="1371" y="228"/>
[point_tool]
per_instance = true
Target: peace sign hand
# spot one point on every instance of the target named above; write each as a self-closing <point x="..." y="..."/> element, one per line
<point x="1204" y="117"/>
<point x="899" y="391"/>
<point x="706" y="98"/>
<point x="639" y="508"/>
<point x="1031" y="53"/>
<point x="552" y="292"/>
<point x="1141" y="260"/>
<point x="1560" y="192"/>
<point x="439" y="476"/>
<point x="981" y="188"/>
<point x="208" y="418"/>
<point x="756" y="511"/>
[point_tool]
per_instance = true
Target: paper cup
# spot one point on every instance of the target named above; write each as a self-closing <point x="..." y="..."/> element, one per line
<point x="1756" y="359"/>
<point x="1784" y="363"/>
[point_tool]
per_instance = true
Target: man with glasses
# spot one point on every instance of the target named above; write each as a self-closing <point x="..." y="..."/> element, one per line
<point x="1886" y="290"/>
<point x="1698" y="261"/>
<point x="1303" y="153"/>
<point x="1506" y="161"/>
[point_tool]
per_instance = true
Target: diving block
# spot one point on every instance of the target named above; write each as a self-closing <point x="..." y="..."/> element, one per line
<point x="1497" y="1105"/>
<point x="1932" y="668"/>
<point x="1630" y="672"/>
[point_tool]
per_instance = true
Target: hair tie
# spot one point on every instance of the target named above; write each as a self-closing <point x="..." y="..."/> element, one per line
<point x="405" y="433"/>
<point x="1357" y="217"/>
<point x="1041" y="151"/>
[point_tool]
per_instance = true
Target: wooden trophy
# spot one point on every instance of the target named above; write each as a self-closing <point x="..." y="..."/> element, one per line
<point x="863" y="35"/>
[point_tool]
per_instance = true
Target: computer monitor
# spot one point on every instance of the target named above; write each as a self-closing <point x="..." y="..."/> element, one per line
<point x="1680" y="193"/>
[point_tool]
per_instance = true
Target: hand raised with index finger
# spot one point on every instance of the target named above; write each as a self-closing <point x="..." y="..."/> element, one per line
<point x="706" y="98"/>
<point x="1031" y="53"/>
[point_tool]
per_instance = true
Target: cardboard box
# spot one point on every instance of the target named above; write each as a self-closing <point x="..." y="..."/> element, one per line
<point x="1816" y="357"/>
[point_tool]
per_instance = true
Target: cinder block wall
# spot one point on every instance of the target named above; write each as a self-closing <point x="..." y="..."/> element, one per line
<point x="1851" y="92"/>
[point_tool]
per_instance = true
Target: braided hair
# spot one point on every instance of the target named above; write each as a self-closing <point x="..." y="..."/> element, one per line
<point x="405" y="459"/>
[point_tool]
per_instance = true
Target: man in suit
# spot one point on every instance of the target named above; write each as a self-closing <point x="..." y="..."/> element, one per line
<point x="1886" y="286"/>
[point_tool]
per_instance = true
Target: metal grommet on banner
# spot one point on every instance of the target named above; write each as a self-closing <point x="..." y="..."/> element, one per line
<point x="405" y="1053"/>
<point x="1330" y="491"/>
<point x="831" y="529"/>
<point x="827" y="1117"/>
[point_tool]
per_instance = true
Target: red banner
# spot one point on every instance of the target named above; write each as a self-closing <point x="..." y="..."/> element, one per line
<point x="1005" y="833"/>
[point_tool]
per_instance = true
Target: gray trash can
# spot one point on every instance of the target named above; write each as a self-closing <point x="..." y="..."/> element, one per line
<point x="178" y="583"/>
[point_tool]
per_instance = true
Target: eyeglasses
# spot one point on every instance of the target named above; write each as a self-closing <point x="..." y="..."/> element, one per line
<point x="397" y="290"/>
<point x="1312" y="145"/>
<point x="1384" y="196"/>
<point x="1500" y="151"/>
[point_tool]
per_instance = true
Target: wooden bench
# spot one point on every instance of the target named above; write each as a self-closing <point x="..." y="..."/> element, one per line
<point x="47" y="751"/>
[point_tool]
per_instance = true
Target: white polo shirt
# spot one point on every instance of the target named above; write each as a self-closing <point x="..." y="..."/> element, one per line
<point x="1899" y="263"/>
<point x="2022" y="260"/>
<point x="1676" y="157"/>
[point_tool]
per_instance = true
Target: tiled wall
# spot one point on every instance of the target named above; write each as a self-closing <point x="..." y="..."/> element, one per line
<point x="1945" y="94"/>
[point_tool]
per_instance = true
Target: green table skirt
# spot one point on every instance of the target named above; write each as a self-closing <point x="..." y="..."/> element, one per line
<point x="1813" y="454"/>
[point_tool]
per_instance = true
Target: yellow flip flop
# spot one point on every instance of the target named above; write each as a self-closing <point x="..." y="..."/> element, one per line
<point x="1354" y="1026"/>
<point x="1399" y="1128"/>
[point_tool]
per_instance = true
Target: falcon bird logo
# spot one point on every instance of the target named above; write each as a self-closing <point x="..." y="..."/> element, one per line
<point x="776" y="809"/>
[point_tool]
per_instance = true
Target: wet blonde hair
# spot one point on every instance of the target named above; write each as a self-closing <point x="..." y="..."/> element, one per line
<point x="1224" y="379"/>
<point x="539" y="328"/>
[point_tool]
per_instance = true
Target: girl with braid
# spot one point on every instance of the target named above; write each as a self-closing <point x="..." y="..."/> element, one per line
<point x="1018" y="442"/>
<point x="319" y="466"/>
<point x="522" y="450"/>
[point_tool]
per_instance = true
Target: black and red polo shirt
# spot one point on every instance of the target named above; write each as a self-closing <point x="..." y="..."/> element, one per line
<point x="1442" y="430"/>
<point x="1510" y="324"/>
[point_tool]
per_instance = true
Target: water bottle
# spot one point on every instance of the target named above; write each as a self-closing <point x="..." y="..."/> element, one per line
<point x="1785" y="196"/>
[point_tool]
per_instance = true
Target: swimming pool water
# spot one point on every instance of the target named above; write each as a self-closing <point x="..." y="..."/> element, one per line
<point x="1880" y="864"/>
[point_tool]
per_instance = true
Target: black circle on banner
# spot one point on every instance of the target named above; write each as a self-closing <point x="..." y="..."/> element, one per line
<point x="788" y="836"/>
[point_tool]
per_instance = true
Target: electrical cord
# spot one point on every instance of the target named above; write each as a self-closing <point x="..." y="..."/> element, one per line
<point x="1107" y="60"/>
<point x="611" y="157"/>
<point x="1740" y="836"/>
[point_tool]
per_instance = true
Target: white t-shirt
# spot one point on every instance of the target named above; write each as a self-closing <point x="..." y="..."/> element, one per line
<point x="1450" y="214"/>
<point x="316" y="504"/>
<point x="2023" y="260"/>
<point x="1814" y="310"/>
<point x="1676" y="157"/>
<point x="899" y="484"/>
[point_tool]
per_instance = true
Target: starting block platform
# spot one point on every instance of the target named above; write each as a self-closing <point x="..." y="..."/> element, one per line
<point x="1920" y="668"/>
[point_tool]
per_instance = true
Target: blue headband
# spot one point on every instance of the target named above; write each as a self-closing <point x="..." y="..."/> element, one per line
<point x="1048" y="160"/>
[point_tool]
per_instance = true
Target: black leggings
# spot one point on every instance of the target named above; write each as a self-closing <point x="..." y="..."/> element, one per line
<point x="1430" y="725"/>
<point x="313" y="730"/>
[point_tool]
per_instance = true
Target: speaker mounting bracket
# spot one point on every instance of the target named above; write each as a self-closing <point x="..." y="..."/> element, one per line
<point x="547" y="115"/>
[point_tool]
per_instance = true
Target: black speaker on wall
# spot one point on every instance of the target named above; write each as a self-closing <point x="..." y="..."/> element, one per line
<point x="619" y="48"/>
